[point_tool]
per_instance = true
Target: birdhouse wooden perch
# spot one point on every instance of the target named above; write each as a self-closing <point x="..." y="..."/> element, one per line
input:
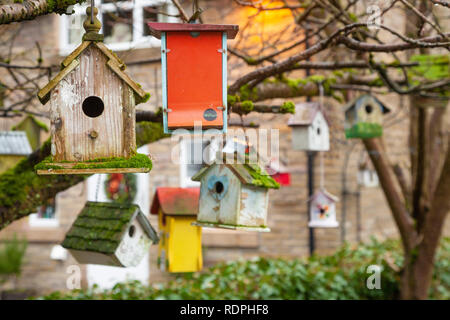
<point x="180" y="247"/>
<point x="110" y="234"/>
<point x="92" y="112"/>
<point x="310" y="130"/>
<point x="364" y="117"/>
<point x="194" y="73"/>
<point x="234" y="196"/>
<point x="323" y="210"/>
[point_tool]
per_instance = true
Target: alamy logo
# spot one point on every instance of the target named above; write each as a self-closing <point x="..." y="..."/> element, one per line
<point x="374" y="280"/>
<point x="74" y="279"/>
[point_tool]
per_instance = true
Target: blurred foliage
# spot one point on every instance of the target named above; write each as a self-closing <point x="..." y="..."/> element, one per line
<point x="431" y="67"/>
<point x="11" y="257"/>
<point x="341" y="275"/>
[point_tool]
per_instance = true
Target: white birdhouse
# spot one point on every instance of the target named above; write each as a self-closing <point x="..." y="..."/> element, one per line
<point x="310" y="130"/>
<point x="110" y="234"/>
<point x="367" y="178"/>
<point x="234" y="196"/>
<point x="323" y="210"/>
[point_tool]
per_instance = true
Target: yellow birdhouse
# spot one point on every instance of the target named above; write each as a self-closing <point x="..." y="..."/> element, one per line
<point x="180" y="246"/>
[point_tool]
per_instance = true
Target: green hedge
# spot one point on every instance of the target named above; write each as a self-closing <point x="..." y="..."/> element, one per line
<point x="341" y="275"/>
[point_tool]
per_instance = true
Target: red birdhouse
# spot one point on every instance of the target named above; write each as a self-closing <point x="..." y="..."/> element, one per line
<point x="194" y="74"/>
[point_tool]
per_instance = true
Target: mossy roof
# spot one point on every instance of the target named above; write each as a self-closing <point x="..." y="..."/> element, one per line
<point x="113" y="62"/>
<point x="248" y="173"/>
<point x="100" y="227"/>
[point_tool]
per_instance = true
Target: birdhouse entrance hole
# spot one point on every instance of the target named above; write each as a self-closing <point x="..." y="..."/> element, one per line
<point x="131" y="231"/>
<point x="369" y="109"/>
<point x="318" y="131"/>
<point x="93" y="106"/>
<point x="219" y="187"/>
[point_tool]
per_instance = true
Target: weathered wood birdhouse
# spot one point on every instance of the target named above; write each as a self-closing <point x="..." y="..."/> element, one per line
<point x="194" y="74"/>
<point x="310" y="130"/>
<point x="234" y="196"/>
<point x="180" y="245"/>
<point x="323" y="210"/>
<point x="110" y="234"/>
<point x="364" y="117"/>
<point x="92" y="112"/>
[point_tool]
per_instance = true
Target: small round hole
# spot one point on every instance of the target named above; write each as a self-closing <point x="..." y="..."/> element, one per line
<point x="219" y="187"/>
<point x="318" y="131"/>
<point x="131" y="231"/>
<point x="93" y="106"/>
<point x="369" y="108"/>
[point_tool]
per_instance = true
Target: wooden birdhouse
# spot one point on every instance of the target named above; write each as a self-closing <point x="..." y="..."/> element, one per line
<point x="323" y="210"/>
<point x="92" y="112"/>
<point x="364" y="117"/>
<point x="180" y="245"/>
<point x="110" y="234"/>
<point x="194" y="74"/>
<point x="234" y="196"/>
<point x="310" y="130"/>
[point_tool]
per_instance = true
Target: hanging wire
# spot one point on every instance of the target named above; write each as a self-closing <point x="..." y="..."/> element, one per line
<point x="92" y="11"/>
<point x="321" y="167"/>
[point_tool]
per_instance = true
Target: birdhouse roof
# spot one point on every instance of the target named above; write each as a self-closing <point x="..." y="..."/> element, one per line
<point x="100" y="227"/>
<point x="305" y="113"/>
<point x="249" y="174"/>
<point x="363" y="100"/>
<point x="326" y="194"/>
<point x="176" y="201"/>
<point x="157" y="27"/>
<point x="14" y="143"/>
<point x="114" y="63"/>
<point x="33" y="119"/>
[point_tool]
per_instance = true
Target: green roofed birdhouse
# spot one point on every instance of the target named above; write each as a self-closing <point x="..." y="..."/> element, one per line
<point x="364" y="117"/>
<point x="310" y="130"/>
<point x="92" y="112"/>
<point x="234" y="196"/>
<point x="110" y="234"/>
<point x="322" y="210"/>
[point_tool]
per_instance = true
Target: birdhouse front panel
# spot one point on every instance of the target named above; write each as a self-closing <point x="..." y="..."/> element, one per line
<point x="194" y="79"/>
<point x="194" y="74"/>
<point x="184" y="244"/>
<point x="318" y="135"/>
<point x="87" y="121"/>
<point x="220" y="196"/>
<point x="322" y="211"/>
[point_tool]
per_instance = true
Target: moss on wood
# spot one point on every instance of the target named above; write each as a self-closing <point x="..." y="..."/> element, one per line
<point x="99" y="227"/>
<point x="260" y="177"/>
<point x="364" y="130"/>
<point x="136" y="161"/>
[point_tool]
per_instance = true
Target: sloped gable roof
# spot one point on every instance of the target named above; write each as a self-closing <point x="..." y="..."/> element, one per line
<point x="100" y="227"/>
<point x="359" y="101"/>
<point x="324" y="193"/>
<point x="176" y="201"/>
<point x="14" y="143"/>
<point x="71" y="62"/>
<point x="247" y="173"/>
<point x="305" y="113"/>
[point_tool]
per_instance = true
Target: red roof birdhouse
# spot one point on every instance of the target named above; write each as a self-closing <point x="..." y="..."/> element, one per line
<point x="194" y="74"/>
